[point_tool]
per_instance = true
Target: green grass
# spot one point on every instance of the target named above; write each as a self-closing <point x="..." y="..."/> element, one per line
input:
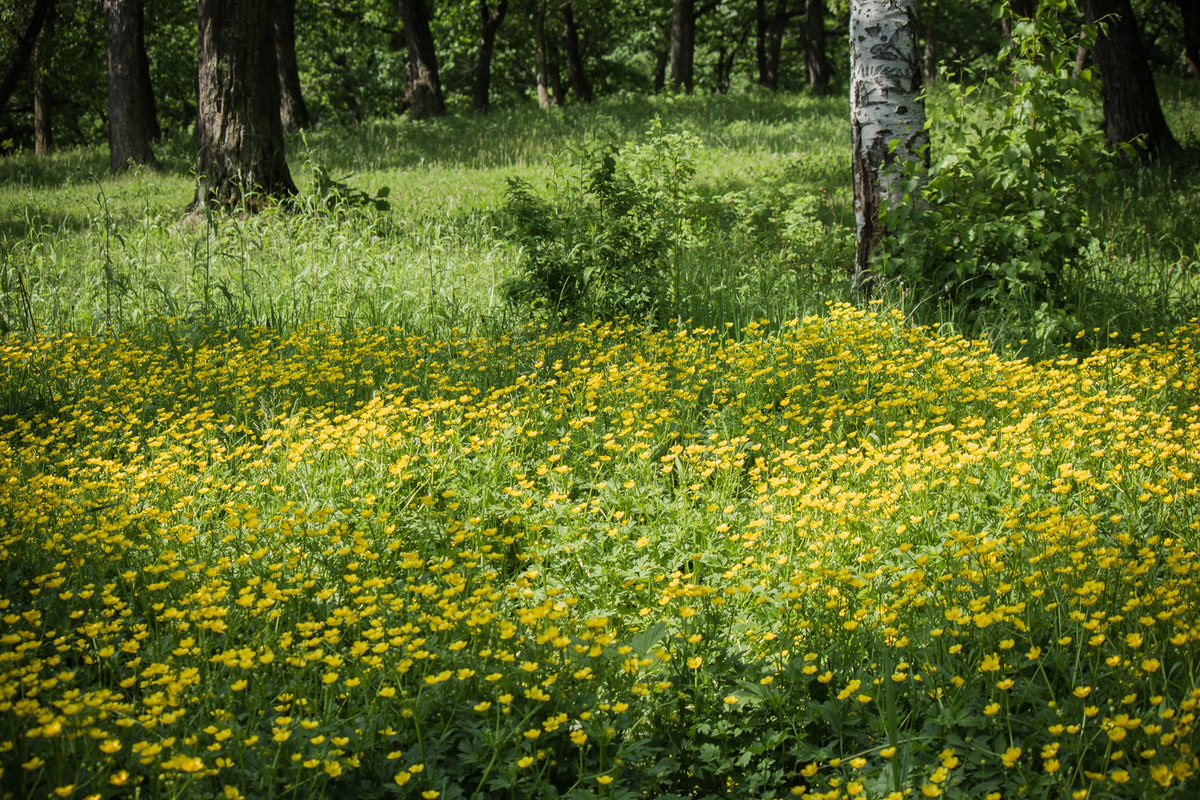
<point x="293" y="505"/>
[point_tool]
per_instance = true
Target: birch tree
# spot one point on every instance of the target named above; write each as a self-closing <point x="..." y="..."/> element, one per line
<point x="887" y="114"/>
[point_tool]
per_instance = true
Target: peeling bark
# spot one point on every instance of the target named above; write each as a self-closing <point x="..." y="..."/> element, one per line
<point x="885" y="107"/>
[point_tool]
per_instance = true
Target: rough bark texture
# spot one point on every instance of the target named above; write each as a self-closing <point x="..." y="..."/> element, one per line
<point x="131" y="126"/>
<point x="491" y="20"/>
<point x="885" y="106"/>
<point x="1131" y="108"/>
<point x="1191" y="35"/>
<point x="683" y="44"/>
<point x="23" y="51"/>
<point x="293" y="113"/>
<point x="43" y="126"/>
<point x="426" y="87"/>
<point x="815" y="57"/>
<point x="242" y="158"/>
<point x="576" y="72"/>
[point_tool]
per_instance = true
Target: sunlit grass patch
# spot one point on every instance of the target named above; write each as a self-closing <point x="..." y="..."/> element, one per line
<point x="840" y="556"/>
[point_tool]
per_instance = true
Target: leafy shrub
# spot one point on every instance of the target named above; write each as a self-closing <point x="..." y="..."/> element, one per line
<point x="1003" y="214"/>
<point x="610" y="240"/>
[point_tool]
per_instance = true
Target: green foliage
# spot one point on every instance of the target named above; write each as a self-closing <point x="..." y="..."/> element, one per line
<point x="610" y="241"/>
<point x="1005" y="210"/>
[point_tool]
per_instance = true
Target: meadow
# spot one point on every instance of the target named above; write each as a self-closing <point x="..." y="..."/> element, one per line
<point x="292" y="505"/>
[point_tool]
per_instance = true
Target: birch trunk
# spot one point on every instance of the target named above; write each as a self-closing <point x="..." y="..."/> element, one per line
<point x="885" y="106"/>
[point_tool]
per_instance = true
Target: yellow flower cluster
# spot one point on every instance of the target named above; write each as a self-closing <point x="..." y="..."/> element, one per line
<point x="243" y="563"/>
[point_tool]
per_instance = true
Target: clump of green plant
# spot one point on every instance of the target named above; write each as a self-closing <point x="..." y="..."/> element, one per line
<point x="610" y="240"/>
<point x="1003" y="214"/>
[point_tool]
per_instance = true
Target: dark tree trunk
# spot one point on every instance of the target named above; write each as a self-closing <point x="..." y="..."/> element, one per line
<point x="144" y="85"/>
<point x="487" y="46"/>
<point x="761" y="27"/>
<point x="131" y="125"/>
<point x="427" y="100"/>
<point x="932" y="13"/>
<point x="292" y="111"/>
<point x="43" y="129"/>
<point x="661" y="57"/>
<point x="24" y="50"/>
<point x="683" y="44"/>
<point x="242" y="159"/>
<point x="575" y="67"/>
<point x="775" y="43"/>
<point x="549" y="83"/>
<point x="1191" y="35"/>
<point x="815" y="57"/>
<point x="1131" y="108"/>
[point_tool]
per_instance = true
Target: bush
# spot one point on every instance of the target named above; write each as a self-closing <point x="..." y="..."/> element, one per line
<point x="1003" y="214"/>
<point x="609" y="242"/>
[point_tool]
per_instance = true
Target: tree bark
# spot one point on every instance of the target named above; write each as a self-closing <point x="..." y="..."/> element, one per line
<point x="242" y="159"/>
<point x="24" y="50"/>
<point x="683" y="44"/>
<point x="147" y="102"/>
<point x="427" y="99"/>
<point x="761" y="27"/>
<point x="549" y="89"/>
<point x="815" y="57"/>
<point x="487" y="46"/>
<point x="1190" y="9"/>
<point x="1132" y="112"/>
<point x="576" y="72"/>
<point x="43" y="128"/>
<point x="885" y="107"/>
<point x="1024" y="9"/>
<point x="932" y="14"/>
<point x="293" y="113"/>
<point x="131" y="126"/>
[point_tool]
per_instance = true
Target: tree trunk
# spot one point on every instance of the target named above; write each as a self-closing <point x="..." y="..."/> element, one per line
<point x="427" y="99"/>
<point x="242" y="159"/>
<point x="815" y="57"/>
<point x="932" y="14"/>
<point x="575" y="68"/>
<point x="24" y="50"/>
<point x="1191" y="35"/>
<point x="775" y="43"/>
<point x="885" y="106"/>
<point x="487" y="46"/>
<point x="761" y="26"/>
<point x="131" y="126"/>
<point x="549" y="88"/>
<point x="293" y="113"/>
<point x="661" y="58"/>
<point x="683" y="44"/>
<point x="43" y="130"/>
<point x="1132" y="112"/>
<point x="144" y="85"/>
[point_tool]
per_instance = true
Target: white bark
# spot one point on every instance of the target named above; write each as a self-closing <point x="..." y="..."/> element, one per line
<point x="885" y="106"/>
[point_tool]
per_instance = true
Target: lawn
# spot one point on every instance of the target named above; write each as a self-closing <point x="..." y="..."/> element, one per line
<point x="290" y="505"/>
